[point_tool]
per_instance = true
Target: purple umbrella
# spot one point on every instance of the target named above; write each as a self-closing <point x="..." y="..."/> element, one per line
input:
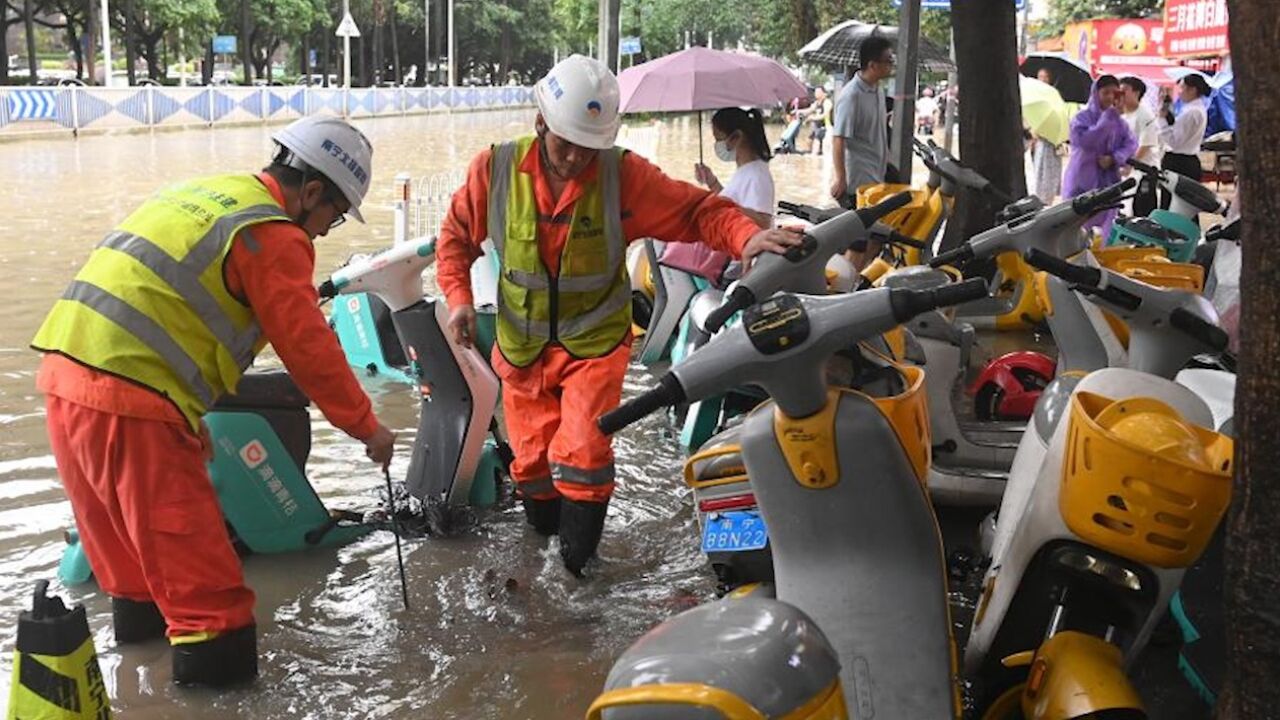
<point x="704" y="79"/>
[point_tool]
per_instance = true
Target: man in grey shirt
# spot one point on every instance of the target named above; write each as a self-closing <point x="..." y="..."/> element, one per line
<point x="860" y="144"/>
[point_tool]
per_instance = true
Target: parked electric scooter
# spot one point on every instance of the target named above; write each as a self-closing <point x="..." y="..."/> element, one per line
<point x="1176" y="229"/>
<point x="262" y="433"/>
<point x="838" y="477"/>
<point x="1118" y="485"/>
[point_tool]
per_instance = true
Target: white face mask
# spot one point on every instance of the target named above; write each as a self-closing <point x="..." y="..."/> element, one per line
<point x="723" y="152"/>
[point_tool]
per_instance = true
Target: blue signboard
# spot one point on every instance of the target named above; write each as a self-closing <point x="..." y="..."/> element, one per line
<point x="629" y="46"/>
<point x="946" y="4"/>
<point x="224" y="44"/>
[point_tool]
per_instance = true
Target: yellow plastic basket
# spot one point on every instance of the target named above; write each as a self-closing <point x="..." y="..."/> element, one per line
<point x="1123" y="498"/>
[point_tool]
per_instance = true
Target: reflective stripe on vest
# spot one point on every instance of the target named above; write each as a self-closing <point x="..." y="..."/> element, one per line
<point x="605" y="293"/>
<point x="151" y="304"/>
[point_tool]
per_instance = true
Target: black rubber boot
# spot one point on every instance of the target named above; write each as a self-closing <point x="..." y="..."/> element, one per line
<point x="135" y="621"/>
<point x="581" y="524"/>
<point x="231" y="658"/>
<point x="543" y="515"/>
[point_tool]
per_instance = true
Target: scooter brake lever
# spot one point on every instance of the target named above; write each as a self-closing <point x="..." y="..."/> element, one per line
<point x="1113" y="295"/>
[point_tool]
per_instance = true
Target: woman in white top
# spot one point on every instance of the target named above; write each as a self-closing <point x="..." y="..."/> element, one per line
<point x="740" y="139"/>
<point x="1182" y="136"/>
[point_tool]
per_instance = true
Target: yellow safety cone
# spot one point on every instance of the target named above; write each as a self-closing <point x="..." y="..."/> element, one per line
<point x="55" y="668"/>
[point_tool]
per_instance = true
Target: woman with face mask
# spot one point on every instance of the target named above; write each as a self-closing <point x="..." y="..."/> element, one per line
<point x="740" y="139"/>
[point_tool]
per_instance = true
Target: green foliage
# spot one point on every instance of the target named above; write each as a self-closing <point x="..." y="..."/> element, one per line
<point x="1064" y="12"/>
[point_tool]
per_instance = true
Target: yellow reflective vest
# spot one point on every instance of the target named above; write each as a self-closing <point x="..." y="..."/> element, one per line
<point x="586" y="306"/>
<point x="151" y="305"/>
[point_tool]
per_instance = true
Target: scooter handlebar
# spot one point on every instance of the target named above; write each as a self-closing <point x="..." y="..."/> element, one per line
<point x="1075" y="274"/>
<point x="884" y="234"/>
<point x="954" y="256"/>
<point x="740" y="299"/>
<point x="870" y="215"/>
<point x="1200" y="329"/>
<point x="1230" y="231"/>
<point x="1099" y="200"/>
<point x="908" y="303"/>
<point x="1142" y="167"/>
<point x="327" y="289"/>
<point x="667" y="392"/>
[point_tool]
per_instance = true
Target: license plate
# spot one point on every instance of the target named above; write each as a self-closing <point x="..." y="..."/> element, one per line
<point x="734" y="531"/>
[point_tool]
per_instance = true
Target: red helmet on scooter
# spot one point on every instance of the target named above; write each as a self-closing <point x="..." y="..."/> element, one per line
<point x="1008" y="387"/>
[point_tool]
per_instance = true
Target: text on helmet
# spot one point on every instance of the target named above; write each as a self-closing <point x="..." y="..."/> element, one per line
<point x="345" y="159"/>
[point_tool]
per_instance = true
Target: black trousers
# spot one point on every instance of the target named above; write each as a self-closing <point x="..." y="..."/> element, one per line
<point x="1188" y="165"/>
<point x="1144" y="200"/>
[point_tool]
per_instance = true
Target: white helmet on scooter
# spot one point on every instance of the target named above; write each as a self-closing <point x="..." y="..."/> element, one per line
<point x="579" y="100"/>
<point x="333" y="148"/>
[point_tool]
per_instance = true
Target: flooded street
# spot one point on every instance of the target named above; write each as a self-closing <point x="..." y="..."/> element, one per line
<point x="497" y="628"/>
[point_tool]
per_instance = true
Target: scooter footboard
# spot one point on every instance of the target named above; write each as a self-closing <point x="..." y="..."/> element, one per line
<point x="861" y="554"/>
<point x="459" y="394"/>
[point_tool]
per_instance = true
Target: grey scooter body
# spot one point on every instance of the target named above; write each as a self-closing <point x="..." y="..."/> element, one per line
<point x="859" y="553"/>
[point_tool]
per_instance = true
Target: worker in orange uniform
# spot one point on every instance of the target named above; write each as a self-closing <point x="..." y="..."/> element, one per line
<point x="168" y="311"/>
<point x="560" y="207"/>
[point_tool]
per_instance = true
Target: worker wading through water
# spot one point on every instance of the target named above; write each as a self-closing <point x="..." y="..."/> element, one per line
<point x="169" y="310"/>
<point x="560" y="206"/>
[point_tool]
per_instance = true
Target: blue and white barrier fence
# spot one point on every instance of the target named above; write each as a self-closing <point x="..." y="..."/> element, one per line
<point x="39" y="109"/>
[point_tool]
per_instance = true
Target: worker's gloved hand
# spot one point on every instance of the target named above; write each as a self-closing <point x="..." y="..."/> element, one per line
<point x="380" y="445"/>
<point x="462" y="323"/>
<point x="773" y="240"/>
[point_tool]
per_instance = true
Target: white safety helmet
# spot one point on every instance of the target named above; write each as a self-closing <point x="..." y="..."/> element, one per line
<point x="332" y="147"/>
<point x="579" y="102"/>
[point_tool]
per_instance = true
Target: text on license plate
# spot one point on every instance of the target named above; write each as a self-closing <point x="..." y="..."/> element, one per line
<point x="734" y="531"/>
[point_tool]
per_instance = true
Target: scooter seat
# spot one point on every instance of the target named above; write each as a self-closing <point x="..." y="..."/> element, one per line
<point x="718" y="458"/>
<point x="270" y="389"/>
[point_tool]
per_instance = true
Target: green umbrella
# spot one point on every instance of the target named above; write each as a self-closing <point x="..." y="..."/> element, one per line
<point x="1044" y="111"/>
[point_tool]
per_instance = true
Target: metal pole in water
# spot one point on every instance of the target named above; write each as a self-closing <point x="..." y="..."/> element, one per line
<point x="395" y="530"/>
<point x="105" y="14"/>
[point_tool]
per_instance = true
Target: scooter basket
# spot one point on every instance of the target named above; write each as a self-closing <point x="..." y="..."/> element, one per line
<point x="1161" y="273"/>
<point x="1138" y="503"/>
<point x="1110" y="257"/>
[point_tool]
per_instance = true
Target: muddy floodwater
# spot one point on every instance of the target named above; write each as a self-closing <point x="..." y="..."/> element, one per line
<point x="497" y="629"/>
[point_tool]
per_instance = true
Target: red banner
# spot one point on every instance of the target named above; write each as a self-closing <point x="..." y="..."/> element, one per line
<point x="1195" y="28"/>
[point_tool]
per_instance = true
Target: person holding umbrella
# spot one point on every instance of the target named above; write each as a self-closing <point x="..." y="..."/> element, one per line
<point x="1101" y="143"/>
<point x="740" y="139"/>
<point x="1045" y="162"/>
<point x="560" y="206"/>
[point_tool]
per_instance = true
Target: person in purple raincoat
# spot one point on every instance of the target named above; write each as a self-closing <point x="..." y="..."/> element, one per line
<point x="1101" y="143"/>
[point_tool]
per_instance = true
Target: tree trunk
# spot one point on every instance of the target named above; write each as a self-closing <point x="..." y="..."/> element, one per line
<point x="395" y="45"/>
<point x="438" y="42"/>
<point x="151" y="49"/>
<point x="990" y="110"/>
<point x="326" y="61"/>
<point x="206" y="71"/>
<point x="130" y="47"/>
<point x="246" y="49"/>
<point x="1252" y="554"/>
<point x="91" y="40"/>
<point x="29" y="22"/>
<point x="379" y="64"/>
<point x="304" y="58"/>
<point x="4" y="43"/>
<point x="74" y="38"/>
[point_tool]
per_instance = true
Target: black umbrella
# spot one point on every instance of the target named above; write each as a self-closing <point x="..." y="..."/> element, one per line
<point x="839" y="46"/>
<point x="1072" y="80"/>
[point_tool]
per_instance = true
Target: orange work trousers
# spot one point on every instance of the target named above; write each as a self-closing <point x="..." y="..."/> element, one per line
<point x="148" y="516"/>
<point x="551" y="408"/>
